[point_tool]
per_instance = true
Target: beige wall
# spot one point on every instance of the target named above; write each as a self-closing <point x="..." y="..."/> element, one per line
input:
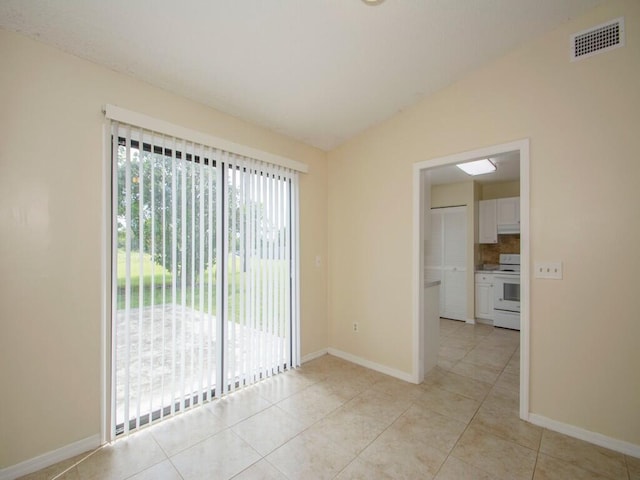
<point x="453" y="195"/>
<point x="51" y="157"/>
<point x="491" y="191"/>
<point x="583" y="120"/>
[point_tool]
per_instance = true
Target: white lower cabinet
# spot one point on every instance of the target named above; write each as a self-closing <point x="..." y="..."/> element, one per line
<point x="484" y="296"/>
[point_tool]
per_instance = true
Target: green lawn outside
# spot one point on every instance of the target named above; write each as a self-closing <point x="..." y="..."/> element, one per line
<point x="149" y="270"/>
<point x="193" y="293"/>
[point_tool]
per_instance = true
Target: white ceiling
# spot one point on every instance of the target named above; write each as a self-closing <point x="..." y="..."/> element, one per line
<point x="320" y="71"/>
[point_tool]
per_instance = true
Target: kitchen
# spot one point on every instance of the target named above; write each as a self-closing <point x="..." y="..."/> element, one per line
<point x="474" y="242"/>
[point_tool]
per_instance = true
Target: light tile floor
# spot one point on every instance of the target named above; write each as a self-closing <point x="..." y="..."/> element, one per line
<point x="333" y="419"/>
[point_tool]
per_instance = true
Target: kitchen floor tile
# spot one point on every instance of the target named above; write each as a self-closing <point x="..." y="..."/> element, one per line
<point x="397" y="388"/>
<point x="446" y="364"/>
<point x="70" y="473"/>
<point x="401" y="456"/>
<point x="447" y="403"/>
<point x="509" y="427"/>
<point x="465" y="386"/>
<point x="261" y="470"/>
<point x="479" y="331"/>
<point x="484" y="373"/>
<point x="432" y="376"/>
<point x="267" y="430"/>
<point x="310" y="405"/>
<point x="421" y="425"/>
<point x="221" y="457"/>
<point x="164" y="470"/>
<point x="361" y="470"/>
<point x="454" y="469"/>
<point x="450" y="327"/>
<point x="239" y="405"/>
<point x="66" y="466"/>
<point x="378" y="406"/>
<point x="502" y="401"/>
<point x="510" y="381"/>
<point x="186" y="429"/>
<point x="492" y="454"/>
<point x="549" y="468"/>
<point x="584" y="455"/>
<point x="452" y="354"/>
<point x="633" y="465"/>
<point x="123" y="458"/>
<point x="503" y="337"/>
<point x="492" y="356"/>
<point x="466" y="343"/>
<point x="309" y="456"/>
<point x="281" y="386"/>
<point x="350" y="429"/>
<point x="343" y="388"/>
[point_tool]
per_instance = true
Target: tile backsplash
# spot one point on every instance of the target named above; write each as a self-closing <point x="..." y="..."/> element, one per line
<point x="490" y="252"/>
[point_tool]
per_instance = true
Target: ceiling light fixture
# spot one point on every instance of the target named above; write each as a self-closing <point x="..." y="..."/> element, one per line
<point x="478" y="167"/>
<point x="373" y="2"/>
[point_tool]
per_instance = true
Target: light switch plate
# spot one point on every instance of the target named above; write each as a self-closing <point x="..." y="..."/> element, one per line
<point x="548" y="270"/>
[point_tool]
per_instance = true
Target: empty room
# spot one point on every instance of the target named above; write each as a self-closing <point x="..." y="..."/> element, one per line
<point x="324" y="239"/>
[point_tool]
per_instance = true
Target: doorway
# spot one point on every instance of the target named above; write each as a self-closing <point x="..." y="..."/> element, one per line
<point x="421" y="205"/>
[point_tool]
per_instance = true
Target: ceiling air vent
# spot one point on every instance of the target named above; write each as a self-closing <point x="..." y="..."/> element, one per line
<point x="598" y="39"/>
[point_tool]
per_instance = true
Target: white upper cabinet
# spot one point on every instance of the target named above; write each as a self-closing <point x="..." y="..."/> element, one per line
<point x="508" y="211"/>
<point x="487" y="218"/>
<point x="498" y="216"/>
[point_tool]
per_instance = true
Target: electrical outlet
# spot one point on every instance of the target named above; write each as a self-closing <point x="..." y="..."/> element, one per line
<point x="548" y="270"/>
<point x="355" y="326"/>
<point x="318" y="260"/>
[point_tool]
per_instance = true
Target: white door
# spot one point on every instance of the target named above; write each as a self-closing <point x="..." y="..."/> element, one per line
<point x="446" y="259"/>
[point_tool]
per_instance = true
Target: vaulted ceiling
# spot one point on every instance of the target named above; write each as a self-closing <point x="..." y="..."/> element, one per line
<point x="320" y="71"/>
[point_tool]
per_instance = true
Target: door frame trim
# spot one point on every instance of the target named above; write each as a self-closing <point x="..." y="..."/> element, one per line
<point x="522" y="146"/>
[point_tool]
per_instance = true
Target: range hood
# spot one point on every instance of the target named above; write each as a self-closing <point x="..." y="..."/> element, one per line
<point x="508" y="228"/>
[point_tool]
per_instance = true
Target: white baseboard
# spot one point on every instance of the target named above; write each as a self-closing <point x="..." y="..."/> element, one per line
<point x="586" y="435"/>
<point x="312" y="356"/>
<point x="47" y="459"/>
<point x="407" y="377"/>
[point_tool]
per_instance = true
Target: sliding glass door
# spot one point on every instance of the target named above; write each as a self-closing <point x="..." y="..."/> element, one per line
<point x="203" y="274"/>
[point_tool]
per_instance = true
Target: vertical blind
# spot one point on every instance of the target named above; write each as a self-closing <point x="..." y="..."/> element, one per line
<point x="204" y="290"/>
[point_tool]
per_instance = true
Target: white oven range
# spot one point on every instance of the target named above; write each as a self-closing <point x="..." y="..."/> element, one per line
<point x="506" y="292"/>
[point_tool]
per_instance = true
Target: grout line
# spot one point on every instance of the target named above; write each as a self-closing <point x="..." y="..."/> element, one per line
<point x="79" y="462"/>
<point x="175" y="469"/>
<point x="535" y="465"/>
